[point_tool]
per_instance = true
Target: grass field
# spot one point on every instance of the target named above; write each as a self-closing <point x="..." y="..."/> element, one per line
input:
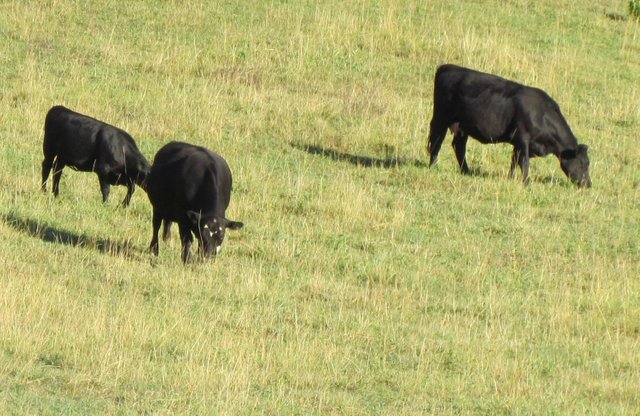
<point x="363" y="282"/>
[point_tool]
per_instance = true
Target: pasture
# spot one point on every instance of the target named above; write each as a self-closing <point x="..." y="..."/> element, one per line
<point x="363" y="282"/>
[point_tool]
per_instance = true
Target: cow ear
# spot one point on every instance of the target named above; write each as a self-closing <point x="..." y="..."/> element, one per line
<point x="582" y="149"/>
<point x="194" y="217"/>
<point x="234" y="225"/>
<point x="568" y="154"/>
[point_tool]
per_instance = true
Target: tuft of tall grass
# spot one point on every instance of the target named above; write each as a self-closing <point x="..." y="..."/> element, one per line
<point x="634" y="8"/>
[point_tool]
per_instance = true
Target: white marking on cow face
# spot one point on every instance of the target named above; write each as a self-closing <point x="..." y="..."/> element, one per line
<point x="210" y="233"/>
<point x="218" y="249"/>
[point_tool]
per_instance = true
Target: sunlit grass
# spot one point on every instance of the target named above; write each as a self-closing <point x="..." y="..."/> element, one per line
<point x="363" y="282"/>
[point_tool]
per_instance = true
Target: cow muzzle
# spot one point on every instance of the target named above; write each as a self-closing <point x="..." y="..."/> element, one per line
<point x="585" y="182"/>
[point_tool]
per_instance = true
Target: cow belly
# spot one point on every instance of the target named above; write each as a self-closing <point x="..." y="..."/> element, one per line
<point x="487" y="136"/>
<point x="539" y="149"/>
<point x="487" y="130"/>
<point x="82" y="165"/>
<point x="172" y="214"/>
<point x="117" y="178"/>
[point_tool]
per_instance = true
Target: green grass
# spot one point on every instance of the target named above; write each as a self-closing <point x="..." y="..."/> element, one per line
<point x="363" y="282"/>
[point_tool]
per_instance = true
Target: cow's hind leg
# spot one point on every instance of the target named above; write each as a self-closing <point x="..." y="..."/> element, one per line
<point x="437" y="133"/>
<point x="57" y="174"/>
<point x="157" y="220"/>
<point x="460" y="146"/>
<point x="187" y="239"/>
<point x="47" y="164"/>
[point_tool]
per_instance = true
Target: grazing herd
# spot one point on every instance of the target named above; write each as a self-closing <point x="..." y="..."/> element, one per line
<point x="191" y="185"/>
<point x="187" y="184"/>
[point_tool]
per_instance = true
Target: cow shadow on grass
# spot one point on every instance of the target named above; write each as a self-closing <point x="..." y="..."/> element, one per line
<point x="372" y="162"/>
<point x="363" y="161"/>
<point x="51" y="234"/>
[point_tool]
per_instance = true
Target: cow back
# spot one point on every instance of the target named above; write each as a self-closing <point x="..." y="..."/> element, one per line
<point x="187" y="177"/>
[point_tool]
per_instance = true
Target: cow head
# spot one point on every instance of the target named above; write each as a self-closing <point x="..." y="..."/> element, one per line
<point x="210" y="230"/>
<point x="575" y="164"/>
<point x="143" y="170"/>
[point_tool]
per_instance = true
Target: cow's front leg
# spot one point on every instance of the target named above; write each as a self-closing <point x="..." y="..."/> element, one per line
<point x="166" y="230"/>
<point x="105" y="188"/>
<point x="187" y="238"/>
<point x="525" y="170"/>
<point x="515" y="161"/>
<point x="522" y="150"/>
<point x="130" y="188"/>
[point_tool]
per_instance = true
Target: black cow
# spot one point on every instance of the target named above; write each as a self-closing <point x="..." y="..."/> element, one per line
<point x="89" y="145"/>
<point x="493" y="110"/>
<point x="191" y="186"/>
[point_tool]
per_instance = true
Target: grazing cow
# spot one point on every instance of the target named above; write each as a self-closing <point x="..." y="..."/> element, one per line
<point x="191" y="186"/>
<point x="89" y="145"/>
<point x="493" y="110"/>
